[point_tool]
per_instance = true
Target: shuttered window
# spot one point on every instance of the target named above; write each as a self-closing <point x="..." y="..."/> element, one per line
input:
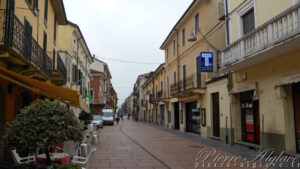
<point x="248" y="22"/>
<point x="54" y="30"/>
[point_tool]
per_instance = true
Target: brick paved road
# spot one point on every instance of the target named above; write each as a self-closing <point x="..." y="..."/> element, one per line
<point x="134" y="145"/>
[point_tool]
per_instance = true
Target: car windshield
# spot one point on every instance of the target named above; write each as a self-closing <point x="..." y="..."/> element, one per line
<point x="97" y="117"/>
<point x="107" y="114"/>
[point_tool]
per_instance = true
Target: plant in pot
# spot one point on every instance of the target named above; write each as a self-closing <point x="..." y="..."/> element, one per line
<point x="42" y="125"/>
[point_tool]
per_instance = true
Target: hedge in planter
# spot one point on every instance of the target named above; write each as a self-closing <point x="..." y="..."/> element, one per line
<point x="42" y="125"/>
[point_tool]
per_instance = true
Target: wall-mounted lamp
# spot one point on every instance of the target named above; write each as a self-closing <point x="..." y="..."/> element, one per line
<point x="192" y="37"/>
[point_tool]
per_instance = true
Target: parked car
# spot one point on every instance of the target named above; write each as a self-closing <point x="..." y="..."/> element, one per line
<point x="98" y="121"/>
<point x="108" y="116"/>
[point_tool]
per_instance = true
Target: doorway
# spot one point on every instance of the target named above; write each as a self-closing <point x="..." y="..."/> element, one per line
<point x="250" y="118"/>
<point x="296" y="98"/>
<point x="162" y="115"/>
<point x="192" y="118"/>
<point x="176" y="113"/>
<point x="216" y="114"/>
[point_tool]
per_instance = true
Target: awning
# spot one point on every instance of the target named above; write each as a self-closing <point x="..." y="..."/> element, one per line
<point x="67" y="96"/>
<point x="83" y="106"/>
<point x="245" y="88"/>
<point x="289" y="80"/>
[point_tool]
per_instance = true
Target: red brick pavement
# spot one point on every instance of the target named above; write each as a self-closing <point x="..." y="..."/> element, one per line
<point x="134" y="145"/>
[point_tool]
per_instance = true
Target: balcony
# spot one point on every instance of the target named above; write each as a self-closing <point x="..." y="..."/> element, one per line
<point x="174" y="89"/>
<point x="59" y="74"/>
<point x="276" y="37"/>
<point x="20" y="51"/>
<point x="186" y="87"/>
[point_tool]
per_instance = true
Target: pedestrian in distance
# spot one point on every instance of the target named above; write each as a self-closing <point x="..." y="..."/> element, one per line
<point x="121" y="116"/>
<point x="118" y="119"/>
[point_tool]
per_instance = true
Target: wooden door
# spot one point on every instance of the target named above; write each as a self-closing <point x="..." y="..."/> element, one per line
<point x="216" y="115"/>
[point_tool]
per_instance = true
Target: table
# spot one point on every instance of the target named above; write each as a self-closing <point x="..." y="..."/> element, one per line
<point x="61" y="158"/>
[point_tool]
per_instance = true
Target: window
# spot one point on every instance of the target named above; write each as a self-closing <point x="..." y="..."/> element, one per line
<point x="46" y="12"/>
<point x="167" y="55"/>
<point x="174" y="47"/>
<point x="183" y="37"/>
<point x="36" y="7"/>
<point x="248" y="21"/>
<point x="184" y="76"/>
<point x="197" y="23"/>
<point x="174" y="78"/>
<point x="74" y="73"/>
<point x="54" y="59"/>
<point x="29" y="2"/>
<point x="54" y="30"/>
<point x="168" y="87"/>
<point x="92" y="92"/>
<point x="45" y="43"/>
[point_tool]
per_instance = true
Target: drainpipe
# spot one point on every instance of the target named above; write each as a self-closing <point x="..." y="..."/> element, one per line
<point x="227" y="22"/>
<point x="229" y="72"/>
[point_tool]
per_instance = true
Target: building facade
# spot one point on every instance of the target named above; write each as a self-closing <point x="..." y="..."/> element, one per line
<point x="74" y="53"/>
<point x="139" y="96"/>
<point x="31" y="67"/>
<point x="262" y="66"/>
<point x="200" y="32"/>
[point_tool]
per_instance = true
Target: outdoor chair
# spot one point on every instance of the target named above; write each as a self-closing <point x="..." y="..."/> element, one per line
<point x="22" y="160"/>
<point x="96" y="138"/>
<point x="83" y="160"/>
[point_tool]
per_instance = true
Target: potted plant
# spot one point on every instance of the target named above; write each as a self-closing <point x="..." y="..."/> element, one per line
<point x="42" y="125"/>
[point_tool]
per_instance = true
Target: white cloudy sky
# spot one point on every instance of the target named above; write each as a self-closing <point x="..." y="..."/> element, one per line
<point x="130" y="30"/>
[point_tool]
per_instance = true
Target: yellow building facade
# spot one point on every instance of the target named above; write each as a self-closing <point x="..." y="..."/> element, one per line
<point x="74" y="53"/>
<point x="261" y="63"/>
<point x="185" y="84"/>
<point x="154" y="92"/>
<point x="30" y="68"/>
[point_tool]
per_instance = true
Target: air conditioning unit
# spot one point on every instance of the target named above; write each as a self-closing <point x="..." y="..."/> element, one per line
<point x="221" y="11"/>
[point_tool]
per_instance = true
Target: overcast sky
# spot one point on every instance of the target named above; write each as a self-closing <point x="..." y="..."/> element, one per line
<point x="130" y="30"/>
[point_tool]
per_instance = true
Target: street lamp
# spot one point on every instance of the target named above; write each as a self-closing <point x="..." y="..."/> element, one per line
<point x="192" y="37"/>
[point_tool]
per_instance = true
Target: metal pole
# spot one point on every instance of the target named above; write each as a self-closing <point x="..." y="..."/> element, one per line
<point x="263" y="135"/>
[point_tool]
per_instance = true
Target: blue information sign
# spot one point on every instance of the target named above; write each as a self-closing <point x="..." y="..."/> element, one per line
<point x="207" y="62"/>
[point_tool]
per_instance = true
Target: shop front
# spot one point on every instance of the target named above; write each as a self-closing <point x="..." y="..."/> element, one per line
<point x="192" y="117"/>
<point x="250" y="118"/>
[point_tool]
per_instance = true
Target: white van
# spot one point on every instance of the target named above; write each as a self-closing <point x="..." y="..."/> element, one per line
<point x="108" y="116"/>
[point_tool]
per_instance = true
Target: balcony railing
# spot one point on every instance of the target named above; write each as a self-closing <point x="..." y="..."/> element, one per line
<point x="15" y="36"/>
<point x="61" y="67"/>
<point x="174" y="89"/>
<point x="187" y="84"/>
<point x="283" y="26"/>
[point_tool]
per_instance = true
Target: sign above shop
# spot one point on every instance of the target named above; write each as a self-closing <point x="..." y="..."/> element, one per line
<point x="207" y="61"/>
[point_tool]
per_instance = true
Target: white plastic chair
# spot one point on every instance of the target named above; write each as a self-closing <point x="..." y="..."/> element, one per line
<point x="84" y="160"/>
<point x="95" y="137"/>
<point x="22" y="160"/>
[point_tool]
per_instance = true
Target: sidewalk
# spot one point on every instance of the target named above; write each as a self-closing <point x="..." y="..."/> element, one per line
<point x="232" y="149"/>
<point x="140" y="145"/>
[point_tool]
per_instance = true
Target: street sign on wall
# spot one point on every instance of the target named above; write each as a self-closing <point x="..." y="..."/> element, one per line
<point x="207" y="62"/>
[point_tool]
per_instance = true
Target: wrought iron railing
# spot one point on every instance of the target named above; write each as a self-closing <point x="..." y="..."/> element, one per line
<point x="281" y="27"/>
<point x="174" y="89"/>
<point x="21" y="40"/>
<point x="61" y="67"/>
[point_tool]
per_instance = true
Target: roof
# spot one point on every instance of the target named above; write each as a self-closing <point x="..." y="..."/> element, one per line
<point x="178" y="22"/>
<point x="82" y="37"/>
<point x="152" y="74"/>
<point x="60" y="11"/>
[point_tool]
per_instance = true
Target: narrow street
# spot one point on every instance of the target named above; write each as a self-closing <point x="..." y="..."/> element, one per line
<point x="137" y="145"/>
